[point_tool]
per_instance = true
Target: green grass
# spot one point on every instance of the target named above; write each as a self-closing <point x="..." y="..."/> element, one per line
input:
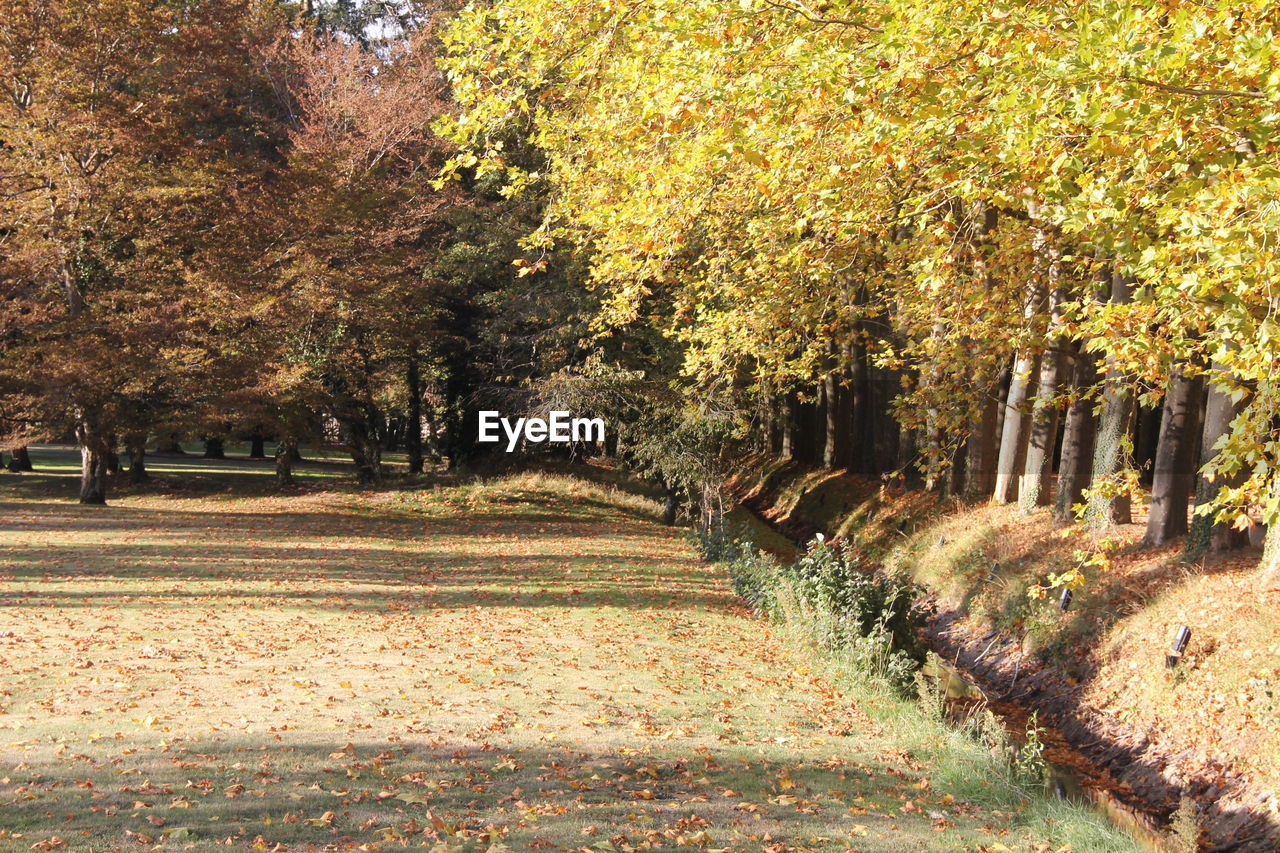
<point x="521" y="664"/>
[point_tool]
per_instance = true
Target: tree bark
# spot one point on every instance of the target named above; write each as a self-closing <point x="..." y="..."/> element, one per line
<point x="1033" y="489"/>
<point x="831" y="421"/>
<point x="364" y="446"/>
<point x="94" y="450"/>
<point x="933" y="452"/>
<point x="136" y="443"/>
<point x="1146" y="442"/>
<point x="213" y="449"/>
<point x="20" y="460"/>
<point x="1016" y="431"/>
<point x="1174" y="472"/>
<point x="980" y="468"/>
<point x="171" y="445"/>
<point x="1113" y="426"/>
<point x="113" y="457"/>
<point x="790" y="415"/>
<point x="862" y="436"/>
<point x="1037" y="472"/>
<point x="1269" y="567"/>
<point x="257" y="444"/>
<point x="670" y="505"/>
<point x="286" y="453"/>
<point x="1205" y="534"/>
<point x="413" y="429"/>
<point x="1077" y="440"/>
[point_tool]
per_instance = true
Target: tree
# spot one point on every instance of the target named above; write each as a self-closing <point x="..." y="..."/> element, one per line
<point x="121" y="161"/>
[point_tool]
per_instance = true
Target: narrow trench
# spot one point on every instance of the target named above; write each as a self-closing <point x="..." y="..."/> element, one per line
<point x="1063" y="774"/>
<point x="1070" y="775"/>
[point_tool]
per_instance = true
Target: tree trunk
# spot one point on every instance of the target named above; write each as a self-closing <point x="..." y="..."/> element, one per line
<point x="810" y="431"/>
<point x="113" y="457"/>
<point x="980" y="467"/>
<point x="1077" y="440"/>
<point x="171" y="445"/>
<point x="831" y="421"/>
<point x="137" y="447"/>
<point x="1016" y="431"/>
<point x="862" y="436"/>
<point x="887" y="432"/>
<point x="286" y="453"/>
<point x="364" y="446"/>
<point x="933" y="442"/>
<point x="670" y="505"/>
<point x="1269" y="568"/>
<point x="1037" y="472"/>
<point x="214" y="449"/>
<point x="1146" y="442"/>
<point x="1174" y="472"/>
<point x="257" y="444"/>
<point x="1206" y="534"/>
<point x="94" y="450"/>
<point x="955" y="474"/>
<point x="790" y="415"/>
<point x="1113" y="426"/>
<point x="20" y="460"/>
<point x="413" y="429"/>
<point x="1037" y="469"/>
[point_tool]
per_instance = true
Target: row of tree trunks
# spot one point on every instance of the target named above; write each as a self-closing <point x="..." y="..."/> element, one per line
<point x="842" y="422"/>
<point x="834" y="428"/>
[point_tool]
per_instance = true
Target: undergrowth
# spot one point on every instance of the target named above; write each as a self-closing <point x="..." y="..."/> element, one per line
<point x="841" y="604"/>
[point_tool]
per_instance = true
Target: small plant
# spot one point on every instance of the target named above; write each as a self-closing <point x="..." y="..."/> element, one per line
<point x="1184" y="830"/>
<point x="1029" y="766"/>
<point x="869" y="617"/>
<point x="932" y="698"/>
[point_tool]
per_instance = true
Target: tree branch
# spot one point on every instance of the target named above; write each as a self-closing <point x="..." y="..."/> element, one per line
<point x="1197" y="93"/>
<point x="812" y="18"/>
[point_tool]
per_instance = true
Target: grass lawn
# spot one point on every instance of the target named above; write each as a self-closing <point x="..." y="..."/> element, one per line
<point x="531" y="663"/>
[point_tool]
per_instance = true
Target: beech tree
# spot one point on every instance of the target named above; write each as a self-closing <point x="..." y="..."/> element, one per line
<point x="123" y="149"/>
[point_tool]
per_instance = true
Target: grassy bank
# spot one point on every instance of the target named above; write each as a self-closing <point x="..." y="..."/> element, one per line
<point x="1220" y="708"/>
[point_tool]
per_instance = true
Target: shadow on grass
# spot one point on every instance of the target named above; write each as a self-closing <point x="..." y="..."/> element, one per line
<point x="171" y="557"/>
<point x="275" y="790"/>
<point x="57" y="472"/>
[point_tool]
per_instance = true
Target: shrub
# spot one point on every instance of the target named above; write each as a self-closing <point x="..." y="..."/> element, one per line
<point x="719" y="544"/>
<point x="869" y="619"/>
<point x="754" y="576"/>
<point x="865" y="602"/>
